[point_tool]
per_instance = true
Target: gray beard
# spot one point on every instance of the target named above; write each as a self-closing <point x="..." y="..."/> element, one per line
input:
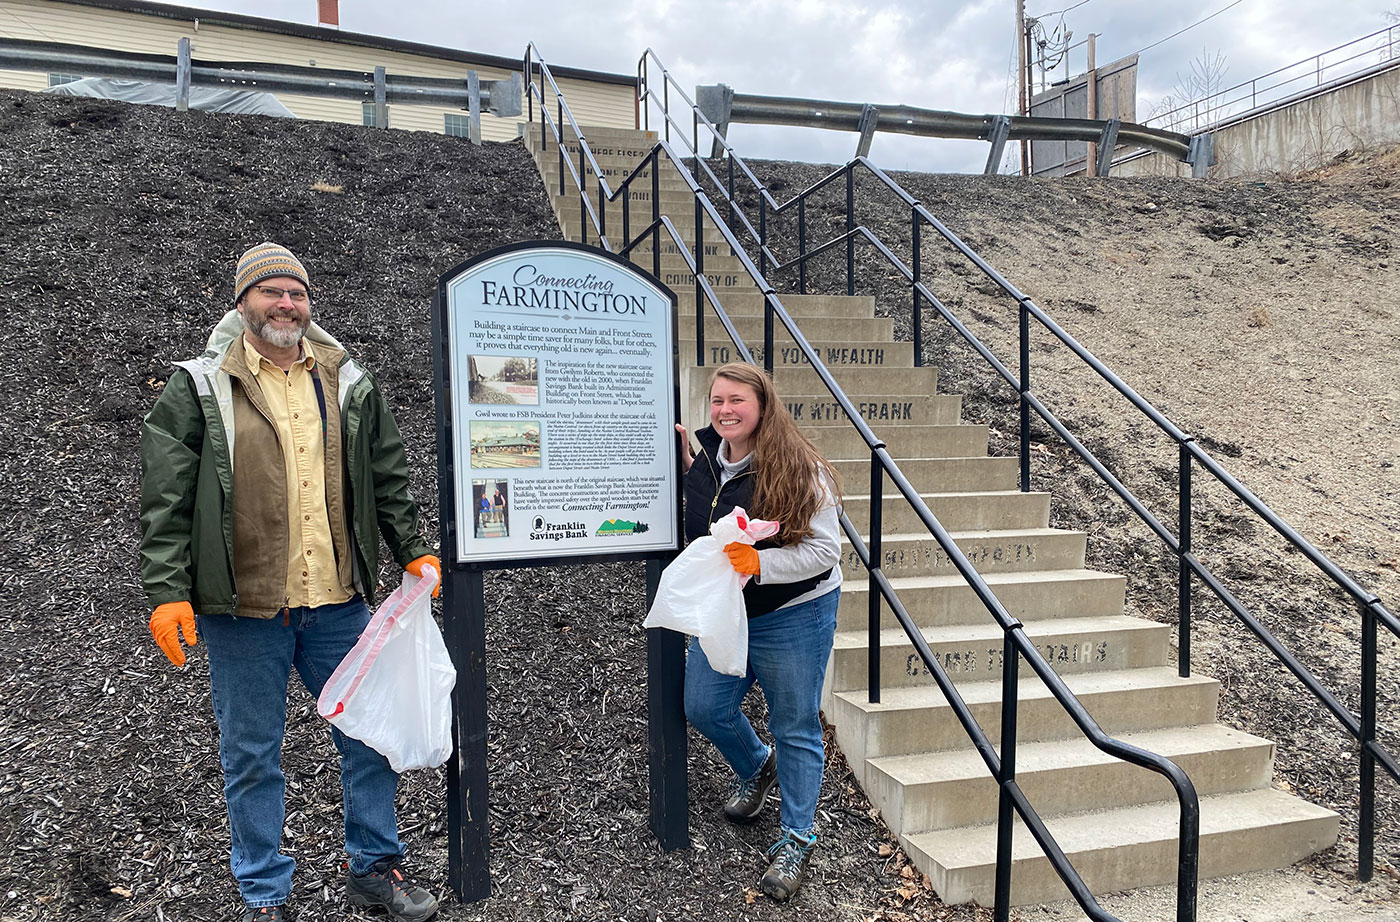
<point x="282" y="339"/>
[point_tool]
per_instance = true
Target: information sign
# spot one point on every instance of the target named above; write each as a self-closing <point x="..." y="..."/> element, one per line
<point x="563" y="392"/>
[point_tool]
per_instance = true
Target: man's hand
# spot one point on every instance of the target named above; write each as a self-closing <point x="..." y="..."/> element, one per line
<point x="743" y="558"/>
<point x="167" y="622"/>
<point x="416" y="568"/>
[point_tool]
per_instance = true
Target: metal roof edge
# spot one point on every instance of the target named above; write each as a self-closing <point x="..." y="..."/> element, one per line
<point x="321" y="33"/>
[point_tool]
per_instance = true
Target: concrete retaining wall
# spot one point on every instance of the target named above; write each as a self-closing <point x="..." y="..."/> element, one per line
<point x="1295" y="136"/>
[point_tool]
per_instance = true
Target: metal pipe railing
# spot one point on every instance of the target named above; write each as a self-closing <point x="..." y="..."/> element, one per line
<point x="884" y="465"/>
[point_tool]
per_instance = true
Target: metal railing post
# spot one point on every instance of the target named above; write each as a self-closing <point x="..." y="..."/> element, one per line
<point x="877" y="502"/>
<point x="582" y="191"/>
<point x="1183" y="576"/>
<point x="182" y="74"/>
<point x="666" y="106"/>
<point x="768" y="326"/>
<point x="762" y="232"/>
<point x="627" y="220"/>
<point x="802" y="246"/>
<point x="731" y="191"/>
<point x="917" y="316"/>
<point x="1366" y="831"/>
<point x="560" y="123"/>
<point x="699" y="274"/>
<point x="1010" y="669"/>
<point x="1025" y="323"/>
<point x="656" y="222"/>
<point x="529" y="96"/>
<point x="850" y="227"/>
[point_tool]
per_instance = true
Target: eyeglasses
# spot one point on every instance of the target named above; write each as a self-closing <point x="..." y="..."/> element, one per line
<point x="298" y="295"/>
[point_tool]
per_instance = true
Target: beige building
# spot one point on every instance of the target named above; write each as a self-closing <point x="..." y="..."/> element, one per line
<point x="156" y="28"/>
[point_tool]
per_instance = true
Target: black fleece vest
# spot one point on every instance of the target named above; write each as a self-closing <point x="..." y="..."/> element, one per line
<point x="706" y="501"/>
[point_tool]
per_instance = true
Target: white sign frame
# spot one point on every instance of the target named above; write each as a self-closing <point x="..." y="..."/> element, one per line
<point x="562" y="398"/>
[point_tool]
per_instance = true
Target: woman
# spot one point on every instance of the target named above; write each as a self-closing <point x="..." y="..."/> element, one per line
<point x="752" y="455"/>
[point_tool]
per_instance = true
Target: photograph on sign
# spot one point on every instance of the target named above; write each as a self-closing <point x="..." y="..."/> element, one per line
<point x="562" y="401"/>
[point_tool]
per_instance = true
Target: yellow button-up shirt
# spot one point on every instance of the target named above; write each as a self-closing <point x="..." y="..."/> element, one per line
<point x="312" y="577"/>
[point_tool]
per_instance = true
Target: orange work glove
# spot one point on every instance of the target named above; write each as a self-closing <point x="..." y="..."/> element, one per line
<point x="416" y="568"/>
<point x="743" y="558"/>
<point x="167" y="621"/>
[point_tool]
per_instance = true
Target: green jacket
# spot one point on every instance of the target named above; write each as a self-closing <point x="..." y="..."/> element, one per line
<point x="187" y="482"/>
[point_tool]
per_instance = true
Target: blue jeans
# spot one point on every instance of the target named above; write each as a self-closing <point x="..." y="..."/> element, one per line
<point x="788" y="650"/>
<point x="250" y="661"/>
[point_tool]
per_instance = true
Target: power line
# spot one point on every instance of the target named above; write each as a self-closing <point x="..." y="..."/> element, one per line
<point x="1190" y="27"/>
<point x="1059" y="12"/>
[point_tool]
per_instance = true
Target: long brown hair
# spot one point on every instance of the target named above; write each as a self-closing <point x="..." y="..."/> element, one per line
<point x="786" y="463"/>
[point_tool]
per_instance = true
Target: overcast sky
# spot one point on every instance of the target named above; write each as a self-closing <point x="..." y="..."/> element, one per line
<point x="936" y="54"/>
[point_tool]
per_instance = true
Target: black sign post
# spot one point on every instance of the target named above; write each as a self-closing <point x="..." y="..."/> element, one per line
<point x="556" y="334"/>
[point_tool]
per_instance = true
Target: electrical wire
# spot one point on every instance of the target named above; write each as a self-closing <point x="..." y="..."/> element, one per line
<point x="1059" y="12"/>
<point x="1190" y="27"/>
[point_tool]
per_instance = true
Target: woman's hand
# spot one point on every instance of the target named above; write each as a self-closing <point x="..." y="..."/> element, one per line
<point x="686" y="454"/>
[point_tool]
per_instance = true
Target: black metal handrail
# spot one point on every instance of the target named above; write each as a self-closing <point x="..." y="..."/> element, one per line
<point x="1016" y="643"/>
<point x="1373" y="612"/>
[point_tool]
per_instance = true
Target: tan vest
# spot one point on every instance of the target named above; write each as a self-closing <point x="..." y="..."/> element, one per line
<point x="261" y="532"/>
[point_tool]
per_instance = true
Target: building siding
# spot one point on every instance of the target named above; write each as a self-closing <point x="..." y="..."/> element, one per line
<point x="42" y="20"/>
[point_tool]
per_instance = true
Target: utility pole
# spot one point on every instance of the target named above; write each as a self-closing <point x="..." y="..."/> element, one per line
<point x="1091" y="86"/>
<point x="1022" y="62"/>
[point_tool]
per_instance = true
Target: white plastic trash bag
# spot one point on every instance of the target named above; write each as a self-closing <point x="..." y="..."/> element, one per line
<point x="701" y="594"/>
<point x="393" y="690"/>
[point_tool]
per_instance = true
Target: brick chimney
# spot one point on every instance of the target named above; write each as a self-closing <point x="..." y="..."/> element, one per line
<point x="328" y="12"/>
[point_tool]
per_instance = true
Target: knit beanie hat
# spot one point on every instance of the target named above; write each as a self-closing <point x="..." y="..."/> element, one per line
<point x="265" y="261"/>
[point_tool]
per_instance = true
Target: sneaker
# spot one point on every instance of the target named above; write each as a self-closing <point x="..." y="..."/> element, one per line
<point x="263" y="914"/>
<point x="746" y="803"/>
<point x="791" y="855"/>
<point x="386" y="885"/>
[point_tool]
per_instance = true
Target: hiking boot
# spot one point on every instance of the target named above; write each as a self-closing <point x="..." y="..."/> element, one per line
<point x="386" y="885"/>
<point x="746" y="803"/>
<point x="263" y="914"/>
<point x="791" y="855"/>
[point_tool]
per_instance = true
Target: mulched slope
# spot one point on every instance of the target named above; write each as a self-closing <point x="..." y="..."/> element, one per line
<point x="118" y="233"/>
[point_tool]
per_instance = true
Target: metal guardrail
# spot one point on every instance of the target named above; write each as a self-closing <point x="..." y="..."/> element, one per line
<point x="1278" y="85"/>
<point x="1001" y="763"/>
<point x="1374" y="614"/>
<point x="721" y="106"/>
<point x="498" y="97"/>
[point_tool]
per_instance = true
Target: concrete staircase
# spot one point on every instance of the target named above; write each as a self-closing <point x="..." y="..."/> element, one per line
<point x="1116" y="822"/>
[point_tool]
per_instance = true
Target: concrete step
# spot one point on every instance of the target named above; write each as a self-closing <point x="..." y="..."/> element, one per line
<point x="801" y="307"/>
<point x="917" y="718"/>
<point x="570" y="224"/>
<point x="1090" y="644"/>
<point x="930" y="410"/>
<point x="675" y="262"/>
<point x="950" y="474"/>
<point x="832" y="352"/>
<point x="750" y="327"/>
<point x="1017" y="550"/>
<point x="609" y="146"/>
<point x="946" y="599"/>
<point x="984" y="510"/>
<point x="1128" y="847"/>
<point x="673" y="201"/>
<point x="843" y="441"/>
<point x="615" y="170"/>
<point x="937" y="790"/>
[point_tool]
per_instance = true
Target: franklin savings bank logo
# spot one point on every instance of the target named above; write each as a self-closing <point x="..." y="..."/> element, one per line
<point x="540" y="530"/>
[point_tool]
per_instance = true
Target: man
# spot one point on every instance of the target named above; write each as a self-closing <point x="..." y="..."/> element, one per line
<point x="268" y="463"/>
